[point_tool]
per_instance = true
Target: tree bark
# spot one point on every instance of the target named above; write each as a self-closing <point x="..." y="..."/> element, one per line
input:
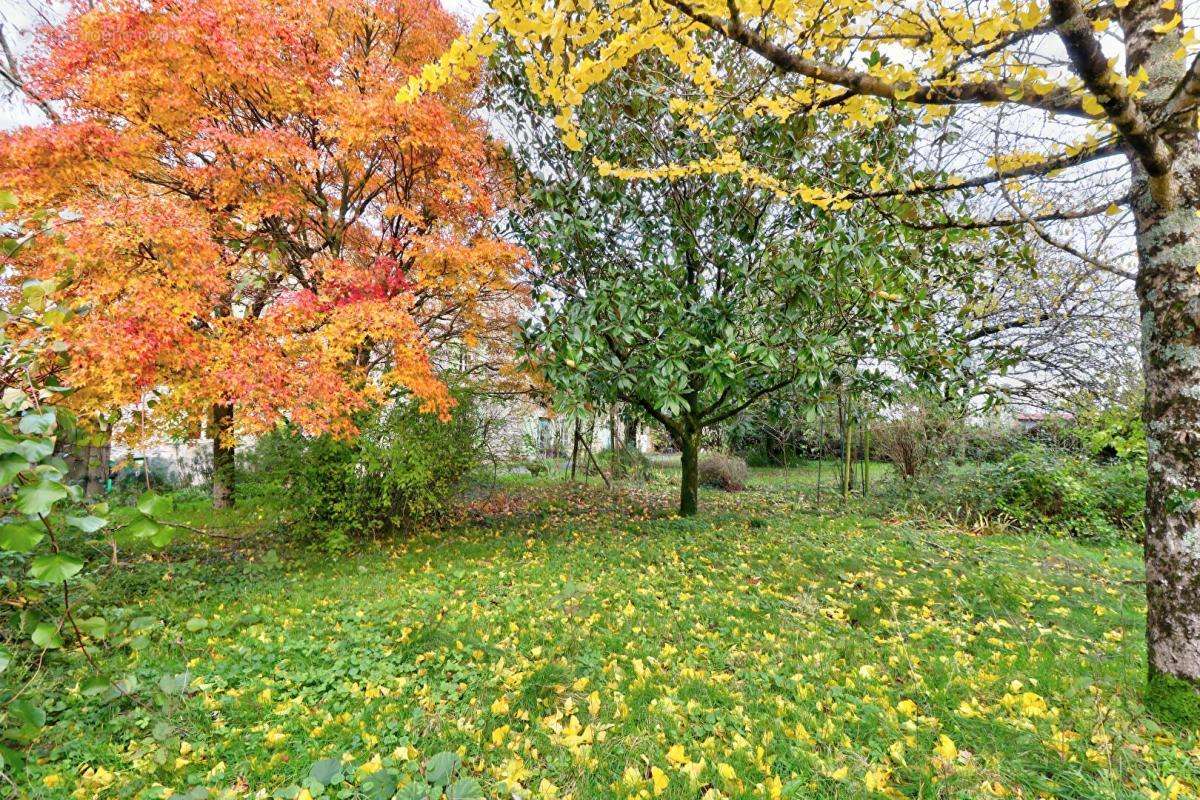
<point x="1168" y="289"/>
<point x="689" y="480"/>
<point x="575" y="449"/>
<point x="1165" y="209"/>
<point x="221" y="430"/>
<point x="98" y="459"/>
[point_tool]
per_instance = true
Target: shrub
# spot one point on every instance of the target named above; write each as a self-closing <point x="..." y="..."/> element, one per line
<point x="1039" y="489"/>
<point x="623" y="462"/>
<point x="989" y="443"/>
<point x="404" y="467"/>
<point x="915" y="440"/>
<point x="725" y="472"/>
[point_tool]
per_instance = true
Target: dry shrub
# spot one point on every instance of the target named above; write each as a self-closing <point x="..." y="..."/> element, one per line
<point x="721" y="471"/>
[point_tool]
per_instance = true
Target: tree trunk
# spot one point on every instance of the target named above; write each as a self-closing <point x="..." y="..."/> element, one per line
<point x="689" y="479"/>
<point x="221" y="431"/>
<point x="1165" y="209"/>
<point x="98" y="458"/>
<point x="1169" y="298"/>
<point x="575" y="449"/>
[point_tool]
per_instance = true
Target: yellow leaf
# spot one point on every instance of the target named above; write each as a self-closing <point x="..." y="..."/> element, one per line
<point x="945" y="748"/>
<point x="1168" y="26"/>
<point x="659" y="779"/>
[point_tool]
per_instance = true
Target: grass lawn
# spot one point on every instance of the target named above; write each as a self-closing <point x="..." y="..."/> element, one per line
<point x="756" y="651"/>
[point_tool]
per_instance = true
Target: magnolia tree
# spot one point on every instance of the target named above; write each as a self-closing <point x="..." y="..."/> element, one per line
<point x="1089" y="109"/>
<point x="268" y="234"/>
<point x="692" y="296"/>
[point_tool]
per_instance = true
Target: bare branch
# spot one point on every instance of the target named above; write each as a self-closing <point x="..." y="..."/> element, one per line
<point x="10" y="73"/>
<point x="1053" y="164"/>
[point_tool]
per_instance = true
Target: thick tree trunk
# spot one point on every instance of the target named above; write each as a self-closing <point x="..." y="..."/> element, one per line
<point x="689" y="480"/>
<point x="1165" y="208"/>
<point x="1168" y="288"/>
<point x="221" y="431"/>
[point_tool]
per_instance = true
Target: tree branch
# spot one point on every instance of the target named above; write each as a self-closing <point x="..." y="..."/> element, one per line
<point x="1056" y="100"/>
<point x="1040" y="168"/>
<point x="10" y="73"/>
<point x="1087" y="56"/>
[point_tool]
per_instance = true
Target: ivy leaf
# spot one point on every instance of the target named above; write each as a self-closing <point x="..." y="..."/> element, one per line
<point x="38" y="423"/>
<point x="46" y="636"/>
<point x="28" y="448"/>
<point x="464" y="789"/>
<point x="153" y="504"/>
<point x="88" y="524"/>
<point x="11" y="465"/>
<point x="20" y="537"/>
<point x="326" y="771"/>
<point x="141" y="527"/>
<point x="28" y="714"/>
<point x="439" y="768"/>
<point x="55" y="567"/>
<point x="95" y="627"/>
<point x="40" y="497"/>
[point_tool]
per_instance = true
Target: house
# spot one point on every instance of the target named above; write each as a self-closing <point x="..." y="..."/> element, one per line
<point x="1030" y="421"/>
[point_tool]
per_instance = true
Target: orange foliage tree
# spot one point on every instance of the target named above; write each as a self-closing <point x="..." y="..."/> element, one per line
<point x="261" y="231"/>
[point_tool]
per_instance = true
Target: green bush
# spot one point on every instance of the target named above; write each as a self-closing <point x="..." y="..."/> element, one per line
<point x="989" y="443"/>
<point x="623" y="462"/>
<point x="405" y="467"/>
<point x="1040" y="489"/>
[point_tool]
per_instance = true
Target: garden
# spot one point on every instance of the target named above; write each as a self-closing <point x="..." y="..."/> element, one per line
<point x="597" y="399"/>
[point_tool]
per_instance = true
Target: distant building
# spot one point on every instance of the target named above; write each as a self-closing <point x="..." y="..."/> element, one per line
<point x="519" y="429"/>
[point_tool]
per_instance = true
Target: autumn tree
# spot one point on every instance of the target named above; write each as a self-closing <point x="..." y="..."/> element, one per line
<point x="693" y="296"/>
<point x="267" y="234"/>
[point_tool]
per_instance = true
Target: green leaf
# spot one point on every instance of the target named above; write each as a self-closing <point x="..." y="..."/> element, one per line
<point x="8" y="200"/>
<point x="5" y="658"/>
<point x="174" y="684"/>
<point x="39" y="498"/>
<point x="163" y="536"/>
<point x="28" y="714"/>
<point x="45" y="635"/>
<point x="36" y="423"/>
<point x="141" y="527"/>
<point x="94" y="685"/>
<point x="20" y="537"/>
<point x="11" y="465"/>
<point x="95" y="627"/>
<point x="381" y="785"/>
<point x="153" y="504"/>
<point x="326" y="771"/>
<point x="464" y="789"/>
<point x="440" y="767"/>
<point x="10" y="759"/>
<point x="55" y="567"/>
<point x="88" y="524"/>
<point x="196" y="624"/>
